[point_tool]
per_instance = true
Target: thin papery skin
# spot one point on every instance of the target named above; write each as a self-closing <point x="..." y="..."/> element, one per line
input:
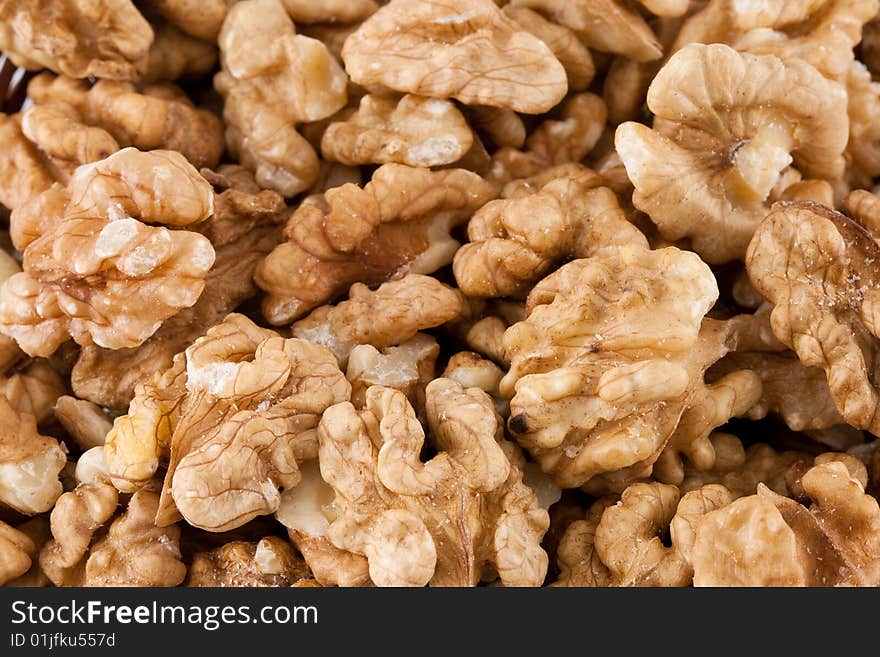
<point x="601" y="335"/>
<point x="397" y="511"/>
<point x="513" y="242"/>
<point x="81" y="38"/>
<point x="726" y="123"/>
<point x="272" y="78"/>
<point x="98" y="273"/>
<point x="815" y="266"/>
<point x="398" y="223"/>
<point x="469" y="51"/>
<point x="387" y="316"/>
<point x="269" y="562"/>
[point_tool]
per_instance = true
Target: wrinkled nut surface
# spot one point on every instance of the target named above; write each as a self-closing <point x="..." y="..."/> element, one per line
<point x="607" y="360"/>
<point x="398" y="223"/>
<point x="33" y="389"/>
<point x="726" y="124"/>
<point x="16" y="549"/>
<point x="270" y="562"/>
<point x="451" y="521"/>
<point x="468" y="50"/>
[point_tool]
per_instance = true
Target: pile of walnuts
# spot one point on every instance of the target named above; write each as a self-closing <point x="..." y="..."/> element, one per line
<point x="440" y="292"/>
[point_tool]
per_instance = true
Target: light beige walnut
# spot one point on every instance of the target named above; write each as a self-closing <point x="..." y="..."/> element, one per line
<point x="706" y="168"/>
<point x="97" y="272"/>
<point x="16" y="549"/>
<point x="33" y="389"/>
<point x="398" y="223"/>
<point x="81" y="38"/>
<point x="816" y="266"/>
<point x="387" y="316"/>
<point x="610" y="355"/>
<point x="471" y="371"/>
<point x="864" y="207"/>
<point x="794" y="477"/>
<point x="770" y="540"/>
<point x="273" y="78"/>
<point x="201" y="19"/>
<point x="515" y="242"/>
<point x="270" y="562"/>
<point x="244" y="228"/>
<point x="86" y="423"/>
<point x="468" y="50"/>
<point x="30" y="463"/>
<point x="418" y="131"/>
<point x="604" y="25"/>
<point x="24" y="171"/>
<point x="329" y="11"/>
<point x="455" y="520"/>
<point x="863" y="149"/>
<point x="407" y="367"/>
<point x="135" y="552"/>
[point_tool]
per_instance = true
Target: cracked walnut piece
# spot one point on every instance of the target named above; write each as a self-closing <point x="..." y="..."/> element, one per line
<point x="94" y="270"/>
<point x="610" y="355"/>
<point x="467" y="50"/>
<point x="398" y="223"/>
<point x="726" y="124"/>
<point x="270" y="562"/>
<point x="452" y="521"/>
<point x="818" y="268"/>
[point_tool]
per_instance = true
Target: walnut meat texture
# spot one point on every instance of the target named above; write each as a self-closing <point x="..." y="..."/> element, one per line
<point x="80" y="38"/>
<point x="270" y="562"/>
<point x="771" y="540"/>
<point x="94" y="270"/>
<point x="514" y="242"/>
<point x="398" y="223"/>
<point x="460" y="517"/>
<point x="273" y="78"/>
<point x="818" y="268"/>
<point x="607" y="360"/>
<point x="16" y="550"/>
<point x="726" y="124"/>
<point x="467" y="50"/>
<point x="239" y="414"/>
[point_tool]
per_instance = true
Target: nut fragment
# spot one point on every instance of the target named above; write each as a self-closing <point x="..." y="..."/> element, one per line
<point x="466" y="50"/>
<point x="443" y="521"/>
<point x="707" y="167"/>
<point x="329" y="11"/>
<point x="33" y="389"/>
<point x="84" y="421"/>
<point x="199" y="18"/>
<point x="271" y="562"/>
<point x="398" y="223"/>
<point x="16" y="549"/>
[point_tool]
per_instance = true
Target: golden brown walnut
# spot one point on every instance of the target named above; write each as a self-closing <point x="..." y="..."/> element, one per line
<point x="579" y="563"/>
<point x="407" y="367"/>
<point x="16" y="549"/>
<point x="37" y="530"/>
<point x="270" y="562"/>
<point x="555" y="141"/>
<point x="817" y="267"/>
<point x="794" y="477"/>
<point x="503" y="127"/>
<point x="387" y="316"/>
<point x="398" y="223"/>
<point x="418" y="131"/>
<point x="81" y="38"/>
<point x="24" y="172"/>
<point x="604" y="25"/>
<point x="770" y="540"/>
<point x="76" y="123"/>
<point x="243" y="230"/>
<point x="201" y="19"/>
<point x="273" y="78"/>
<point x="863" y="149"/>
<point x="329" y="11"/>
<point x="466" y="50"/>
<point x="864" y="207"/>
<point x="33" y="389"/>
<point x="175" y="54"/>
<point x="562" y="41"/>
<point x="471" y="371"/>
<point x="454" y="520"/>
<point x="86" y="423"/>
<point x="30" y="463"/>
<point x="610" y="355"/>
<point x="76" y="518"/>
<point x="515" y="242"/>
<point x="708" y="165"/>
<point x="135" y="552"/>
<point x="96" y="271"/>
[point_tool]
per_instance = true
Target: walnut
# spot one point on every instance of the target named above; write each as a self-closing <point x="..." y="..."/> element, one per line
<point x="408" y="367"/>
<point x="501" y="126"/>
<point x="175" y="54"/>
<point x="466" y="50"/>
<point x="201" y="19"/>
<point x="96" y="272"/>
<point x="135" y="552"/>
<point x="84" y="421"/>
<point x="269" y="89"/>
<point x="418" y="131"/>
<point x="270" y="562"/>
<point x="815" y="266"/>
<point x="444" y="521"/>
<point x="604" y="25"/>
<point x="388" y="316"/>
<point x="16" y="549"/>
<point x="30" y="463"/>
<point x="708" y="165"/>
<point x="100" y="38"/>
<point x="514" y="242"/>
<point x="610" y="355"/>
<point x="863" y="149"/>
<point x="398" y="223"/>
<point x="471" y="371"/>
<point x="33" y="389"/>
<point x="794" y="477"/>
<point x="770" y="540"/>
<point x="864" y="207"/>
<point x="23" y="173"/>
<point x="579" y="563"/>
<point x="329" y="11"/>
